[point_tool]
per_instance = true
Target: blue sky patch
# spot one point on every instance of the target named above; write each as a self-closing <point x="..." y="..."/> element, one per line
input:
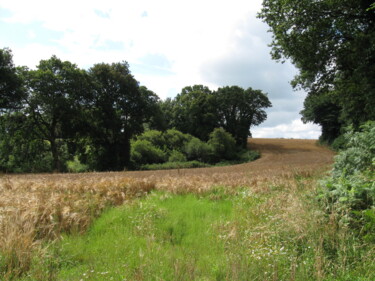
<point x="18" y="34"/>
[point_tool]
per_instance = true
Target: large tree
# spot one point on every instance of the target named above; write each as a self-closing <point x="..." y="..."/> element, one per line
<point x="119" y="107"/>
<point x="10" y="83"/>
<point x="239" y="109"/>
<point x="331" y="42"/>
<point x="198" y="111"/>
<point x="194" y="111"/>
<point x="54" y="92"/>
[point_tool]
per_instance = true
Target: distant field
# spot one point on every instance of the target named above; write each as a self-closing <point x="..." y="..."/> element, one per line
<point x="36" y="207"/>
<point x="279" y="157"/>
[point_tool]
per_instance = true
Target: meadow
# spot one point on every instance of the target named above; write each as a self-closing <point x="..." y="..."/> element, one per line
<point x="253" y="221"/>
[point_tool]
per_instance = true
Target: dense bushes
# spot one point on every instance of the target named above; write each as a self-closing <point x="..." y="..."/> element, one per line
<point x="144" y="152"/>
<point x="350" y="190"/>
<point x="172" y="146"/>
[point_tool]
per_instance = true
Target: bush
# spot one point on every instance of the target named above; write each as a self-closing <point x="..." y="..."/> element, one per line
<point x="155" y="137"/>
<point x="223" y="144"/>
<point x="167" y="141"/>
<point x="351" y="189"/>
<point x="198" y="150"/>
<point x="339" y="143"/>
<point x="143" y="152"/>
<point x="76" y="166"/>
<point x="176" y="140"/>
<point x="177" y="156"/>
<point x="359" y="154"/>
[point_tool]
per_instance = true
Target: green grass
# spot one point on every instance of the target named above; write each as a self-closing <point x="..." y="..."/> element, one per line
<point x="164" y="236"/>
<point x="224" y="234"/>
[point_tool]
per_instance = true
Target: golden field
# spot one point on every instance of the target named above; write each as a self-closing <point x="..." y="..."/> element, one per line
<point x="36" y="207"/>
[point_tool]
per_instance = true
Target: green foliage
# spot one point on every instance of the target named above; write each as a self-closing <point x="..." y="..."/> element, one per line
<point x="351" y="189"/>
<point x="198" y="111"/>
<point x="196" y="149"/>
<point x="175" y="140"/>
<point x="56" y="87"/>
<point x="20" y="149"/>
<point x="176" y="156"/>
<point x="359" y="154"/>
<point x="324" y="110"/>
<point x="10" y="83"/>
<point x="222" y="144"/>
<point x="194" y="111"/>
<point x="331" y="43"/>
<point x="57" y="111"/>
<point x="118" y="109"/>
<point x="176" y="147"/>
<point x="155" y="137"/>
<point x="75" y="166"/>
<point x="144" y="152"/>
<point x="339" y="143"/>
<point x="239" y="109"/>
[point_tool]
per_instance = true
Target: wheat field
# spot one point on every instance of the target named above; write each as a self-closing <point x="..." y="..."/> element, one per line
<point x="39" y="207"/>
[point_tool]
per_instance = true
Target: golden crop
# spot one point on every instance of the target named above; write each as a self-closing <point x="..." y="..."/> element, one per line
<point x="43" y="206"/>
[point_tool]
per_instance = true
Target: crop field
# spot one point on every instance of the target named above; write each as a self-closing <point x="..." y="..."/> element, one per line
<point x="37" y="210"/>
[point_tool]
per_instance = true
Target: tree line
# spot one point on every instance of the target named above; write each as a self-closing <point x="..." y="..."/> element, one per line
<point x="58" y="112"/>
<point x="331" y="42"/>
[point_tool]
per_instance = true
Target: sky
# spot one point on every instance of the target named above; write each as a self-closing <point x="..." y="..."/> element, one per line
<point x="169" y="44"/>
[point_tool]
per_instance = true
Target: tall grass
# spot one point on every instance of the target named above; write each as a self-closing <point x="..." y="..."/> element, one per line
<point x="277" y="232"/>
<point x="34" y="212"/>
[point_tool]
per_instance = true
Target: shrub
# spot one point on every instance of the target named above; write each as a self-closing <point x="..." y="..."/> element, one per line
<point x="143" y="152"/>
<point x="75" y="166"/>
<point x="223" y="144"/>
<point x="351" y="189"/>
<point x="176" y="140"/>
<point x="155" y="137"/>
<point x="176" y="156"/>
<point x="359" y="154"/>
<point x="198" y="150"/>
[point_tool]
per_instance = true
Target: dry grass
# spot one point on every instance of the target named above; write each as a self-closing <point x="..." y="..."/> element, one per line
<point x="38" y="207"/>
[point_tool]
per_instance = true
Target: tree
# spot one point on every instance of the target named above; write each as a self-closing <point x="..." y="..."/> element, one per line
<point x="154" y="119"/>
<point x="21" y="150"/>
<point x="223" y="144"/>
<point x="331" y="43"/>
<point x="118" y="110"/>
<point x="239" y="109"/>
<point x="55" y="90"/>
<point x="10" y="83"/>
<point x="324" y="110"/>
<point x="194" y="111"/>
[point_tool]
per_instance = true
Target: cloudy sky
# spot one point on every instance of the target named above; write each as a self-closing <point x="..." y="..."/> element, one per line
<point x="169" y="44"/>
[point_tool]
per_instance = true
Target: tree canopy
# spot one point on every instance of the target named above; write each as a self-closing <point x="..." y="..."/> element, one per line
<point x="10" y="82"/>
<point x="57" y="117"/>
<point x="198" y="111"/>
<point x="331" y="42"/>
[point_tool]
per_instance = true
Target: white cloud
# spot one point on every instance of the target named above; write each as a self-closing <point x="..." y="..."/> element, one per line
<point x="295" y="129"/>
<point x="210" y="42"/>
